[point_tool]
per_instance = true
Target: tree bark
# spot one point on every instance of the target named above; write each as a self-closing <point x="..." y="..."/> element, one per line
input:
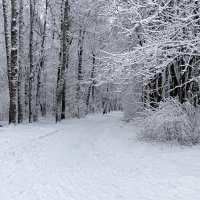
<point x="21" y="55"/>
<point x="31" y="72"/>
<point x="92" y="85"/>
<point x="7" y="40"/>
<point x="80" y="66"/>
<point x="41" y="65"/>
<point x="14" y="63"/>
<point x="63" y="61"/>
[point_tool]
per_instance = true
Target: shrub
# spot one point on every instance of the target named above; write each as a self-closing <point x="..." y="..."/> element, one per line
<point x="172" y="121"/>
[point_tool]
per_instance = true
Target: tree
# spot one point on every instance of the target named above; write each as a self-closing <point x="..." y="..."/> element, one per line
<point x="6" y="33"/>
<point x="67" y="34"/>
<point x="64" y="50"/>
<point x="14" y="64"/>
<point x="159" y="50"/>
<point x="32" y="68"/>
<point x="40" y="67"/>
<point x="21" y="55"/>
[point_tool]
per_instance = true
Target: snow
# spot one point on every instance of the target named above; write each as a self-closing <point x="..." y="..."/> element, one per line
<point x="97" y="158"/>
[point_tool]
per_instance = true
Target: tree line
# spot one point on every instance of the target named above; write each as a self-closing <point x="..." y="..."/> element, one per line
<point x="68" y="58"/>
<point x="53" y="51"/>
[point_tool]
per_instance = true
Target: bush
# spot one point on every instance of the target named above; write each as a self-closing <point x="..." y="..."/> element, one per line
<point x="172" y="121"/>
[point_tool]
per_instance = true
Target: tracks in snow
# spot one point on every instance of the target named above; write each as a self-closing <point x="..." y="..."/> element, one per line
<point x="93" y="159"/>
<point x="60" y="164"/>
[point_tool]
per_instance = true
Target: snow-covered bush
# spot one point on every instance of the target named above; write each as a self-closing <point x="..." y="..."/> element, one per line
<point x="172" y="121"/>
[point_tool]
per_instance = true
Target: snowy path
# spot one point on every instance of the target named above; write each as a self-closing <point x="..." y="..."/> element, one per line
<point x="93" y="159"/>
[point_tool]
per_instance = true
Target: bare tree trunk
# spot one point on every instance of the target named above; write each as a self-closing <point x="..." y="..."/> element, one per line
<point x="80" y="63"/>
<point x="14" y="68"/>
<point x="7" y="40"/>
<point x="26" y="92"/>
<point x="92" y="85"/>
<point x="63" y="101"/>
<point x="21" y="55"/>
<point x="63" y="61"/>
<point x="58" y="92"/>
<point x="44" y="105"/>
<point x="31" y="75"/>
<point x="106" y="101"/>
<point x="41" y="65"/>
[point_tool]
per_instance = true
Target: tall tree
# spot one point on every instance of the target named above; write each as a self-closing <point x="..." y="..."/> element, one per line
<point x="31" y="72"/>
<point x="64" y="50"/>
<point x="40" y="67"/>
<point x="80" y="70"/>
<point x="92" y="84"/>
<point x="14" y="64"/>
<point x="21" y="57"/>
<point x="6" y="33"/>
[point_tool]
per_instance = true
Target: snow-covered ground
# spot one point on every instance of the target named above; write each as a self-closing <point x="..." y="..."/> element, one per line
<point x="97" y="158"/>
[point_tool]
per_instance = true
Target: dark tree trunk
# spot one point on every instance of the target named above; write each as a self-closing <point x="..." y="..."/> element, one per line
<point x="80" y="66"/>
<point x="21" y="54"/>
<point x="31" y="72"/>
<point x="14" y="65"/>
<point x="41" y="65"/>
<point x="6" y="30"/>
<point x="92" y="85"/>
<point x="63" y="61"/>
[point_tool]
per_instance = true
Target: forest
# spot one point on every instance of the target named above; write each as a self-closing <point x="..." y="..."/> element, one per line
<point x="51" y="54"/>
<point x="99" y="99"/>
<point x="66" y="59"/>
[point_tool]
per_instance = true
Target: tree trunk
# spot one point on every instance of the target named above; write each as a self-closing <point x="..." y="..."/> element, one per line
<point x="41" y="66"/>
<point x="63" y="61"/>
<point x="14" y="63"/>
<point x="80" y="63"/>
<point x="21" y="55"/>
<point x="31" y="72"/>
<point x="92" y="85"/>
<point x="26" y="92"/>
<point x="7" y="40"/>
